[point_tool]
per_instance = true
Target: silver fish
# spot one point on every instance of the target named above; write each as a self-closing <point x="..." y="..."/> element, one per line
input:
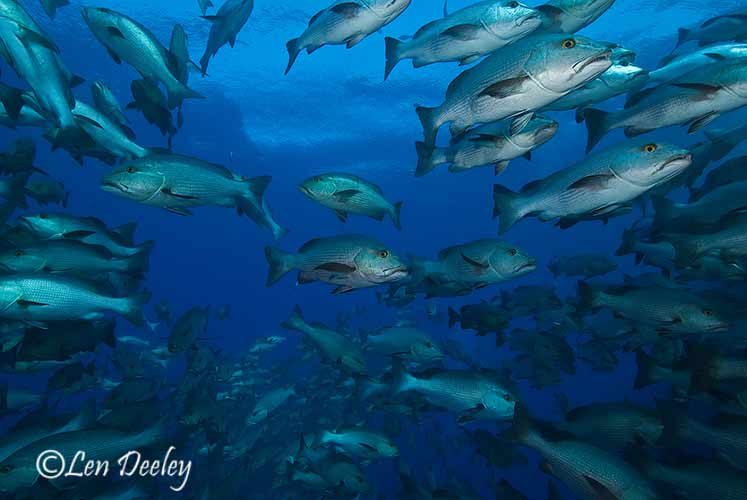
<point x="676" y="65"/>
<point x="227" y="23"/>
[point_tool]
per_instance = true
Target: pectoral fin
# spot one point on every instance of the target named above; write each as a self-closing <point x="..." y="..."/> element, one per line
<point x="505" y="88"/>
<point x="29" y="303"/>
<point x="342" y="289"/>
<point x="179" y="211"/>
<point x="77" y="235"/>
<point x="348" y="10"/>
<point x="343" y="216"/>
<point x="474" y="263"/>
<point x="463" y="32"/>
<point x="368" y="447"/>
<point x="702" y="122"/>
<point x="336" y="267"/>
<point x="598" y="182"/>
<point x="345" y="196"/>
<point x="115" y="32"/>
<point x="602" y="492"/>
<point x="169" y="192"/>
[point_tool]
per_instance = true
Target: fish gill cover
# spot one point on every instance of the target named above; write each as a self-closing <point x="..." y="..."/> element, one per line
<point x="247" y="249"/>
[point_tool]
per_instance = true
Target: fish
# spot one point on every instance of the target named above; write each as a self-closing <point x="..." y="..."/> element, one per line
<point x="204" y="5"/>
<point x="188" y="328"/>
<point x="61" y="340"/>
<point x="478" y="263"/>
<point x="669" y="310"/>
<point x="695" y="99"/>
<point x="586" y="266"/>
<point x="484" y="318"/>
<point x="407" y="343"/>
<point x="226" y="25"/>
<point x="724" y="239"/>
<point x="732" y="171"/>
<point x="127" y="40"/>
<point x="465" y="35"/>
<point x="51" y="6"/>
<point x="570" y="16"/>
<point x="711" y="208"/>
<point x="349" y="194"/>
<point x="41" y="298"/>
<point x="177" y="183"/>
<point x="470" y="395"/>
<point x="268" y="403"/>
<point x="696" y="479"/>
<point x="493" y="144"/>
<point x="515" y="81"/>
<point x="336" y="349"/>
<point x="349" y="261"/>
<point x="590" y="472"/>
<point x="106" y="102"/>
<point x="358" y="442"/>
<point x="90" y="230"/>
<point x="344" y="23"/>
<point x="46" y="192"/>
<point x="112" y="137"/>
<point x="597" y="186"/>
<point x="676" y="65"/>
<point x="150" y="101"/>
<point x="725" y="27"/>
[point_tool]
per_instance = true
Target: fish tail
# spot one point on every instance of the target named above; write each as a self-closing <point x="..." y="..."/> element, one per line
<point x="628" y="242"/>
<point x="395" y="214"/>
<point x="252" y="203"/>
<point x="686" y="249"/>
<point x="401" y="379"/>
<point x="295" y="321"/>
<point x="454" y="317"/>
<point x="69" y="137"/>
<point x="665" y="210"/>
<point x="428" y="120"/>
<point x="204" y="61"/>
<point x="392" y="55"/>
<point x="588" y="299"/>
<point x="12" y="100"/>
<point x="505" y="205"/>
<point x="683" y="36"/>
<point x="51" y="6"/>
<point x="646" y="365"/>
<point x="522" y="429"/>
<point x="597" y="124"/>
<point x="133" y="310"/>
<point x="280" y="263"/>
<point x="138" y="264"/>
<point x="180" y="93"/>
<point x="426" y="162"/>
<point x="418" y="269"/>
<point x="294" y="48"/>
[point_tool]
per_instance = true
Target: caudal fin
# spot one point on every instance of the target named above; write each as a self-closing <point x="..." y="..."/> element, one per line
<point x="51" y="6"/>
<point x="686" y="249"/>
<point x="665" y="210"/>
<point x="138" y="264"/>
<point x="181" y="92"/>
<point x="425" y="159"/>
<point x="281" y="263"/>
<point x="254" y="205"/>
<point x="395" y="215"/>
<point x="428" y="120"/>
<point x="400" y="378"/>
<point x="597" y="124"/>
<point x="392" y="55"/>
<point x="294" y="49"/>
<point x="295" y="321"/>
<point x="133" y="311"/>
<point x="505" y="205"/>
<point x="454" y="317"/>
<point x="646" y="366"/>
<point x="683" y="36"/>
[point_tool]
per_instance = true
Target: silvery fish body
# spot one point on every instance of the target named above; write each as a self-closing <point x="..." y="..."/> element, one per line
<point x="227" y="22"/>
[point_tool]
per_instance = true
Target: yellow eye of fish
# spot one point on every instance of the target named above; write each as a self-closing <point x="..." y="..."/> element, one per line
<point x="513" y="252"/>
<point x="650" y="148"/>
<point x="569" y="43"/>
<point x="383" y="254"/>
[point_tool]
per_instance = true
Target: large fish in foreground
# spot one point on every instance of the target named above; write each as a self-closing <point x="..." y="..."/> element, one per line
<point x="597" y="187"/>
<point x="695" y="99"/>
<point x="493" y="144"/>
<point x="348" y="261"/>
<point x="515" y="81"/>
<point x="227" y="22"/>
<point x="129" y="41"/>
<point x="345" y="23"/>
<point x="347" y="193"/>
<point x="464" y="35"/>
<point x="177" y="183"/>
<point x="570" y="16"/>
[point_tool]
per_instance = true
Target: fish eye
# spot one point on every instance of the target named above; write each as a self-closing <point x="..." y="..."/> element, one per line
<point x="650" y="148"/>
<point x="130" y="170"/>
<point x="624" y="64"/>
<point x="513" y="252"/>
<point x="5" y="469"/>
<point x="569" y="43"/>
<point x="708" y="313"/>
<point x="18" y="253"/>
<point x="512" y="5"/>
<point x="507" y="397"/>
<point x="384" y="254"/>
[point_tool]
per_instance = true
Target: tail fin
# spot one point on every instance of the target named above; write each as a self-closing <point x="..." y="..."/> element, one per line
<point x="51" y="6"/>
<point x="505" y="206"/>
<point x="665" y="210"/>
<point x="628" y="243"/>
<point x="281" y="263"/>
<point x="12" y="99"/>
<point x="396" y="211"/>
<point x="597" y="124"/>
<point x="134" y="309"/>
<point x="521" y="429"/>
<point x="428" y="120"/>
<point x="686" y="248"/>
<point x="644" y="377"/>
<point x="400" y="378"/>
<point x="293" y="50"/>
<point x="683" y="36"/>
<point x="392" y="55"/>
<point x="296" y="321"/>
<point x="425" y="159"/>
<point x="180" y="93"/>
<point x="454" y="318"/>
<point x="146" y="247"/>
<point x="253" y="205"/>
<point x="586" y="297"/>
<point x="418" y="269"/>
<point x="138" y="264"/>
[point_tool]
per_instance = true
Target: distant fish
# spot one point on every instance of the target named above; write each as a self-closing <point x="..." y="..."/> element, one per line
<point x="51" y="6"/>
<point x="345" y="23"/>
<point x="46" y="192"/>
<point x="227" y="23"/>
<point x="676" y="65"/>
<point x="106" y="102"/>
<point x="570" y="16"/>
<point x="727" y="27"/>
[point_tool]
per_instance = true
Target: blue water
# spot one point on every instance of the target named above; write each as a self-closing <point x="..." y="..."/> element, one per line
<point x="333" y="112"/>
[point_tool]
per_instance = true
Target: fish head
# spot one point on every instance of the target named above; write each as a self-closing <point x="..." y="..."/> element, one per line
<point x="137" y="181"/>
<point x="562" y="63"/>
<point x="427" y="351"/>
<point x="538" y="131"/>
<point x="510" y="261"/>
<point x="257" y="416"/>
<point x="647" y="164"/>
<point x="500" y="402"/>
<point x="702" y="318"/>
<point x="319" y="187"/>
<point x="44" y="224"/>
<point x="387" y="8"/>
<point x="620" y="55"/>
<point x="18" y="260"/>
<point x="624" y="77"/>
<point x="99" y="19"/>
<point x="509" y="19"/>
<point x="380" y="265"/>
<point x="15" y="475"/>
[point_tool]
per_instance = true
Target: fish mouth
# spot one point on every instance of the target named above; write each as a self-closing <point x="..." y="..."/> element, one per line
<point x="681" y="161"/>
<point x="603" y="57"/>
<point x="305" y="190"/>
<point x="526" y="267"/>
<point x="718" y="328"/>
<point x="393" y="271"/>
<point x="524" y="19"/>
<point x="114" y="186"/>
